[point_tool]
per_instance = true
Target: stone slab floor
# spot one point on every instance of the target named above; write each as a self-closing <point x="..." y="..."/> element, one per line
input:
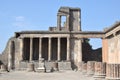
<point x="24" y="75"/>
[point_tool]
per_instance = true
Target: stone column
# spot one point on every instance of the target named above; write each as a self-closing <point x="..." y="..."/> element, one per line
<point x="40" y="48"/>
<point x="67" y="22"/>
<point x="21" y="48"/>
<point x="68" y="48"/>
<point x="79" y="53"/>
<point x="31" y="48"/>
<point x="58" y="22"/>
<point x="49" y="49"/>
<point x="58" y="56"/>
<point x="104" y="50"/>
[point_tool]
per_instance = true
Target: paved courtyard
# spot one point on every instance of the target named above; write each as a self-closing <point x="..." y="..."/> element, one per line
<point x="23" y="75"/>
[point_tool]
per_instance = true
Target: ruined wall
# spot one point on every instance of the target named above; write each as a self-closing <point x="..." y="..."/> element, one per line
<point x="114" y="49"/>
<point x="4" y="55"/>
<point x="18" y="55"/>
<point x="113" y="44"/>
<point x="11" y="55"/>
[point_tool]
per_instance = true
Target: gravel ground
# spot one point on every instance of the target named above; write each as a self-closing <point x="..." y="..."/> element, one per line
<point x="24" y="75"/>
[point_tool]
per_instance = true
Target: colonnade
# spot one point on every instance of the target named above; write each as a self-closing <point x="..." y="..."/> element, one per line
<point x="49" y="48"/>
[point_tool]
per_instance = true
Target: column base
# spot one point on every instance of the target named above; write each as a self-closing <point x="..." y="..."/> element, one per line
<point x="41" y="67"/>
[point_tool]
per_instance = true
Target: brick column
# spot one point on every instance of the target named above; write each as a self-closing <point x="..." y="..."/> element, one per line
<point x="40" y="48"/>
<point x="58" y="56"/>
<point x="68" y="48"/>
<point x="49" y="49"/>
<point x="31" y="48"/>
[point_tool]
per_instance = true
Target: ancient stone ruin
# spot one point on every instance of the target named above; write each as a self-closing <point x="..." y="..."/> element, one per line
<point x="64" y="47"/>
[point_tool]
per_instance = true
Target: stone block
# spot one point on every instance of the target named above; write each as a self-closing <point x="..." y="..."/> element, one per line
<point x="3" y="68"/>
<point x="48" y="66"/>
<point x="64" y="66"/>
<point x="23" y="65"/>
<point x="90" y="67"/>
<point x="30" y="67"/>
<point x="41" y="67"/>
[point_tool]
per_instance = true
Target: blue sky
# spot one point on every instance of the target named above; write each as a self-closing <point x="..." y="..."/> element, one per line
<point x="18" y="15"/>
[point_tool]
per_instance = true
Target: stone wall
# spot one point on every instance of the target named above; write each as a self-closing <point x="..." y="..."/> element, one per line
<point x="4" y="55"/>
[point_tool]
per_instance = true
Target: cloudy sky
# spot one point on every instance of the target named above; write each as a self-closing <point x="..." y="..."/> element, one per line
<point x="18" y="15"/>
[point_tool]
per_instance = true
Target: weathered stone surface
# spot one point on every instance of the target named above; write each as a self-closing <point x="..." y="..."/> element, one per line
<point x="100" y="70"/>
<point x="3" y="68"/>
<point x="64" y="65"/>
<point x="30" y="67"/>
<point x="23" y="65"/>
<point x="41" y="67"/>
<point x="90" y="67"/>
<point x="51" y="66"/>
<point x="84" y="68"/>
<point x="113" y="72"/>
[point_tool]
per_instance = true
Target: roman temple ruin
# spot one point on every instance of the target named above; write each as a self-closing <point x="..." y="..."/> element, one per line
<point x="64" y="47"/>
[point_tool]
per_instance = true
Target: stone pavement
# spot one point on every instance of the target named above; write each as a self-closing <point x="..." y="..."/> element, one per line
<point x="23" y="75"/>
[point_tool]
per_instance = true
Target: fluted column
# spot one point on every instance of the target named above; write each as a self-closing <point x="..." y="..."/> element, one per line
<point x="31" y="48"/>
<point x="49" y="49"/>
<point x="68" y="48"/>
<point x="58" y="56"/>
<point x="40" y="48"/>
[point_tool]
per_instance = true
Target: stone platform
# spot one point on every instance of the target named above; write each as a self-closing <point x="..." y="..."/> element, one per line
<point x="62" y="75"/>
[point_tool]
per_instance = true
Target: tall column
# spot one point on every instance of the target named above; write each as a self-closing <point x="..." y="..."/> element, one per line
<point x="79" y="56"/>
<point x="68" y="48"/>
<point x="58" y="22"/>
<point x="40" y="48"/>
<point x="31" y="48"/>
<point x="49" y="49"/>
<point x="58" y="56"/>
<point x="79" y="53"/>
<point x="21" y="48"/>
<point x="104" y="50"/>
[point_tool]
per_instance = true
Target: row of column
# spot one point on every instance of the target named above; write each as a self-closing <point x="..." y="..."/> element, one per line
<point x="49" y="49"/>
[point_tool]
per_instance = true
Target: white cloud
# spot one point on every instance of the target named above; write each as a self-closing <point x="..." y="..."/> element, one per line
<point x="20" y="18"/>
<point x="19" y="21"/>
